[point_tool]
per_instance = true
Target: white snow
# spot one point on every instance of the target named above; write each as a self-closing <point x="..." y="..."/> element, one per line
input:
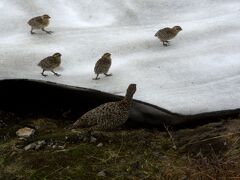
<point x="199" y="72"/>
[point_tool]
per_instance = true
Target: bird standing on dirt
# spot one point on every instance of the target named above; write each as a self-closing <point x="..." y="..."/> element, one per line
<point x="50" y="63"/>
<point x="167" y="33"/>
<point x="39" y="22"/>
<point x="109" y="115"/>
<point x="103" y="65"/>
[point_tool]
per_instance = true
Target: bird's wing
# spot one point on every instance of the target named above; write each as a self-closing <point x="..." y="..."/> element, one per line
<point x="46" y="62"/>
<point x="98" y="65"/>
<point x="98" y="114"/>
<point x="165" y="31"/>
<point x="38" y="20"/>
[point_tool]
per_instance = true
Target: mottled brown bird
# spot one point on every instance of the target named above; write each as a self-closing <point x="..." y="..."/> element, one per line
<point x="50" y="63"/>
<point x="39" y="22"/>
<point x="103" y="65"/>
<point x="109" y="115"/>
<point x="167" y="33"/>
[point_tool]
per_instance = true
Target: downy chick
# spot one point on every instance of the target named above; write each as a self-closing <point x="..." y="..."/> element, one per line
<point x="39" y="22"/>
<point x="165" y="34"/>
<point x="103" y="65"/>
<point x="50" y="63"/>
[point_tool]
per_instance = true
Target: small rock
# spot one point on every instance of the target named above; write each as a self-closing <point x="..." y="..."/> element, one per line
<point x="101" y="174"/>
<point x="30" y="146"/>
<point x="54" y="146"/>
<point x="37" y="147"/>
<point x="199" y="154"/>
<point x="100" y="145"/>
<point x="61" y="147"/>
<point x="25" y="132"/>
<point x="41" y="143"/>
<point x="13" y="153"/>
<point x="93" y="139"/>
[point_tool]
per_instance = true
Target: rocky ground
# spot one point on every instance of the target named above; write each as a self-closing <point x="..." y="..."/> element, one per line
<point x="51" y="151"/>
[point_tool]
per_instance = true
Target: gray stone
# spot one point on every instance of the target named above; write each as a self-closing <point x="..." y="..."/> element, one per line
<point x="61" y="147"/>
<point x="101" y="174"/>
<point x="100" y="145"/>
<point x="93" y="139"/>
<point x="25" y="132"/>
<point x="30" y="146"/>
<point x="41" y="143"/>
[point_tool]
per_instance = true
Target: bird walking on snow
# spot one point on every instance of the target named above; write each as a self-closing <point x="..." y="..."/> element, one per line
<point x="50" y="63"/>
<point x="103" y="65"/>
<point x="167" y="33"/>
<point x="109" y="115"/>
<point x="39" y="22"/>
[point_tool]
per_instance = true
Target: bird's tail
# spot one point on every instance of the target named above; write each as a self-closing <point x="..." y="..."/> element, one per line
<point x="39" y="64"/>
<point x="29" y="22"/>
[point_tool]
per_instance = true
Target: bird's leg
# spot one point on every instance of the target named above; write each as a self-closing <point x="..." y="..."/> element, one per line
<point x="107" y="74"/>
<point x="32" y="31"/>
<point x="165" y="43"/>
<point x="56" y="74"/>
<point x="49" y="32"/>
<point x="43" y="73"/>
<point x="96" y="78"/>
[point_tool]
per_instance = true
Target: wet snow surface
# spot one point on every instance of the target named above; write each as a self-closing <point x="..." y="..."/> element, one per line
<point x="199" y="72"/>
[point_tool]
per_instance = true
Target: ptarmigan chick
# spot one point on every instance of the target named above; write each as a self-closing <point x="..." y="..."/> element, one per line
<point x="50" y="63"/>
<point x="103" y="65"/>
<point x="39" y="22"/>
<point x="109" y="115"/>
<point x="167" y="33"/>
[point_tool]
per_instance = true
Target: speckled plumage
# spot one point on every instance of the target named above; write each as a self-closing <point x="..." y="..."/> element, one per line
<point x="39" y="22"/>
<point x="109" y="115"/>
<point x="50" y="63"/>
<point x="166" y="34"/>
<point x="103" y="65"/>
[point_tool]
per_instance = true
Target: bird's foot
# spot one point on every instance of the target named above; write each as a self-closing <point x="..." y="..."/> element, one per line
<point x="56" y="74"/>
<point x="44" y="75"/>
<point x="49" y="32"/>
<point x="166" y="45"/>
<point x="96" y="78"/>
<point x="32" y="32"/>
<point x="107" y="74"/>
